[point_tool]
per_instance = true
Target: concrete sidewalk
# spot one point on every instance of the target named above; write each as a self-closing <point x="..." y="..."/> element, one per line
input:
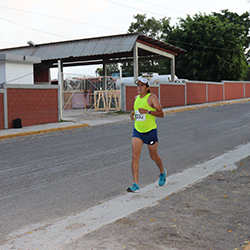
<point x="210" y="215"/>
<point x="79" y="118"/>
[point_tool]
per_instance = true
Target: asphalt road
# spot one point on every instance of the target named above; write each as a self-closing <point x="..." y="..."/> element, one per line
<point x="49" y="176"/>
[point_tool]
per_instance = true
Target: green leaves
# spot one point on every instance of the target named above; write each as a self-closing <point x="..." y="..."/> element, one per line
<point x="150" y="27"/>
<point x="215" y="46"/>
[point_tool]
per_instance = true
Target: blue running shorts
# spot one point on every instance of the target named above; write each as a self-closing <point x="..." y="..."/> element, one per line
<point x="149" y="138"/>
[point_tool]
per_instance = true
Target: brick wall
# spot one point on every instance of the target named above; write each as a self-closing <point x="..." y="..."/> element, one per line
<point x="1" y="111"/>
<point x="154" y="90"/>
<point x="234" y="90"/>
<point x="33" y="106"/>
<point x="196" y="93"/>
<point x="215" y="92"/>
<point x="172" y="95"/>
<point x="247" y="89"/>
<point x="131" y="93"/>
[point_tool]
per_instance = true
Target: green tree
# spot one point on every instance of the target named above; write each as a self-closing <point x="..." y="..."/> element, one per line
<point x="111" y="68"/>
<point x="215" y="45"/>
<point x="152" y="28"/>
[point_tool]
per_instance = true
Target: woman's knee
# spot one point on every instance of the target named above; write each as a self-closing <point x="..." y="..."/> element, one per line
<point x="155" y="157"/>
<point x="135" y="157"/>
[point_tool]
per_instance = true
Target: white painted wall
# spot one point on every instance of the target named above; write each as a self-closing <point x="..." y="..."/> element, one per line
<point x="17" y="69"/>
<point x="2" y="72"/>
<point x="19" y="73"/>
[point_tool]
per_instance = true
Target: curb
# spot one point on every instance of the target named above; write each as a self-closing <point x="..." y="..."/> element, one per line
<point x="43" y="131"/>
<point x="209" y="105"/>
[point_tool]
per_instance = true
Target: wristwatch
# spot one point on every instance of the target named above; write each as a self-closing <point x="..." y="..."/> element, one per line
<point x="149" y="112"/>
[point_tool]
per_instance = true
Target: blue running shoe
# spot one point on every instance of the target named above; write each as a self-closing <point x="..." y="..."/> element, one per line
<point x="134" y="188"/>
<point x="162" y="178"/>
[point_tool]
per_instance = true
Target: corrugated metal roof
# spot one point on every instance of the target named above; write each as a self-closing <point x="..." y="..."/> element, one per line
<point x="89" y="47"/>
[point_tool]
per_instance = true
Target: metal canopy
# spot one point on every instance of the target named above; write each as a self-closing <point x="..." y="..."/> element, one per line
<point x="97" y="50"/>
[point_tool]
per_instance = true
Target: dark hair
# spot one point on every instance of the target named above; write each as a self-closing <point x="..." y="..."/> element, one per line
<point x="148" y="90"/>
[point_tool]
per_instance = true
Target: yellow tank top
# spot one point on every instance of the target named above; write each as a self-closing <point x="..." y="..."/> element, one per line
<point x="143" y="122"/>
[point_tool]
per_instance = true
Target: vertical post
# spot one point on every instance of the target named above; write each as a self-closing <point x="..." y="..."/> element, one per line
<point x="135" y="60"/>
<point x="173" y="69"/>
<point x="123" y="97"/>
<point x="60" y="83"/>
<point x="105" y="75"/>
<point x="104" y="94"/>
<point x="120" y="71"/>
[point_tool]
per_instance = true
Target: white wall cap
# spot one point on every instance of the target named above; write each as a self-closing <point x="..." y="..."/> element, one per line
<point x="19" y="58"/>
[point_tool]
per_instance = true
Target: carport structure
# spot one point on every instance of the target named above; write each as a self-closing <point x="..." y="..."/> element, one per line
<point x="99" y="50"/>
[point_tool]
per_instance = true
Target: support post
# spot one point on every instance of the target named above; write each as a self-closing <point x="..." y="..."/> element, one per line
<point x="105" y="76"/>
<point x="173" y="69"/>
<point x="120" y="71"/>
<point x="135" y="60"/>
<point x="123" y="97"/>
<point x="60" y="83"/>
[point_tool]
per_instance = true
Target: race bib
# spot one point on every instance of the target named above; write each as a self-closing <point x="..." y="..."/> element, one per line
<point x="139" y="116"/>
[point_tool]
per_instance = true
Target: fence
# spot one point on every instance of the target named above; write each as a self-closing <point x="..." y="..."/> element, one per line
<point x="38" y="104"/>
<point x="99" y="100"/>
<point x="190" y="92"/>
<point x="82" y="92"/>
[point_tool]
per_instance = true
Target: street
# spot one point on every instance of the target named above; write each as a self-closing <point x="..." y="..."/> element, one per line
<point x="49" y="176"/>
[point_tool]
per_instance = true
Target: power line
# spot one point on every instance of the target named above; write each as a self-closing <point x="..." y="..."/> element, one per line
<point x="162" y="7"/>
<point x="58" y="18"/>
<point x="130" y="7"/>
<point x="200" y="23"/>
<point x="33" y="28"/>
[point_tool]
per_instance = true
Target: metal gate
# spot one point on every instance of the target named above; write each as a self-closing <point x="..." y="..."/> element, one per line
<point x="82" y="92"/>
